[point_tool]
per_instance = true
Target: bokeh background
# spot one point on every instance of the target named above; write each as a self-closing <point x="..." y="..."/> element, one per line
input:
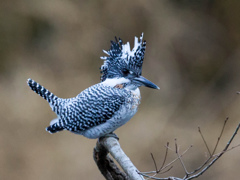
<point x="193" y="55"/>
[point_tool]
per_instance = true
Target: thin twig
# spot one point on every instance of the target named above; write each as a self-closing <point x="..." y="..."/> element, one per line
<point x="230" y="141"/>
<point x="168" y="178"/>
<point x="169" y="164"/>
<point x="228" y="150"/>
<point x="216" y="158"/>
<point x="176" y="147"/>
<point x="165" y="157"/>
<point x="211" y="154"/>
<point x="204" y="167"/>
<point x="220" y="135"/>
<point x="155" y="164"/>
<point x="166" y="170"/>
<point x="176" y="158"/>
<point x="148" y="172"/>
<point x="200" y="167"/>
<point x="151" y="172"/>
<point x="181" y="161"/>
<point x="199" y="130"/>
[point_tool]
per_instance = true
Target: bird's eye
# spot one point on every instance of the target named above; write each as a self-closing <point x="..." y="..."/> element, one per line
<point x="125" y="71"/>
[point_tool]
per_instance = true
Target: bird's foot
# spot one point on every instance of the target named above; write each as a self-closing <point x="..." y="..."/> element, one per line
<point x="110" y="135"/>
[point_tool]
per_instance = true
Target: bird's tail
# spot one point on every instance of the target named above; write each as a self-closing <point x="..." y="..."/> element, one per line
<point x="55" y="126"/>
<point x="42" y="91"/>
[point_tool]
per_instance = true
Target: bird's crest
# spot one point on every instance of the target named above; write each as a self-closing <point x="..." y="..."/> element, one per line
<point x="121" y="58"/>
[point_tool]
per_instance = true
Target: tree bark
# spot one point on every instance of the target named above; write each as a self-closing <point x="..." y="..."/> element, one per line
<point x="107" y="166"/>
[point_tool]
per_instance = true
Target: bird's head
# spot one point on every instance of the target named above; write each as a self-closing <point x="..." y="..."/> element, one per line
<point x="125" y="64"/>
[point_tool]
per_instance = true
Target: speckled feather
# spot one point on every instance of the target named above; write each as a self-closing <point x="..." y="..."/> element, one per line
<point x="93" y="106"/>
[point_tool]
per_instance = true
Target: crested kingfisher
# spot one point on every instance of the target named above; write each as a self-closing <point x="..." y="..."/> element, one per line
<point x="102" y="108"/>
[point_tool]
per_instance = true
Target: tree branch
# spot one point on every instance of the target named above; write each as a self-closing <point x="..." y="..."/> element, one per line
<point x="204" y="167"/>
<point x="106" y="165"/>
<point x="111" y="171"/>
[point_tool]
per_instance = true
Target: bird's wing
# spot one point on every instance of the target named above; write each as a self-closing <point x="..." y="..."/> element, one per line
<point x="93" y="106"/>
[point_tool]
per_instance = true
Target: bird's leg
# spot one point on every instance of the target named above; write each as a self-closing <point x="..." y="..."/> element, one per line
<point x="111" y="134"/>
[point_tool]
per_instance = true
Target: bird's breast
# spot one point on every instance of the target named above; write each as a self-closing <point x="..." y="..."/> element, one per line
<point x="134" y="100"/>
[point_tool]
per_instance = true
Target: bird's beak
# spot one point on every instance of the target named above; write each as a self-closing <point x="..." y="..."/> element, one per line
<point x="142" y="81"/>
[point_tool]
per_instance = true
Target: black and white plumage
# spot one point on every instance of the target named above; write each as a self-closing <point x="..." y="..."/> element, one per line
<point x="120" y="58"/>
<point x="102" y="108"/>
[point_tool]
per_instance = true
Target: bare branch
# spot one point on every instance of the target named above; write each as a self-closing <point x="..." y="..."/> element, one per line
<point x="230" y="141"/>
<point x="166" y="170"/>
<point x="204" y="167"/>
<point x="165" y="157"/>
<point x="106" y="165"/>
<point x="217" y="157"/>
<point x="111" y="172"/>
<point x="228" y="150"/>
<point x="179" y="157"/>
<point x="169" y="164"/>
<point x="155" y="164"/>
<point x="168" y="178"/>
<point x="200" y="167"/>
<point x="111" y="145"/>
<point x="160" y="171"/>
<point x="199" y="130"/>
<point x="225" y="122"/>
<point x="211" y="154"/>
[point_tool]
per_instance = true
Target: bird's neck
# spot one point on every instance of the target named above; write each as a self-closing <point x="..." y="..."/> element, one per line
<point x="120" y="83"/>
<point x="116" y="82"/>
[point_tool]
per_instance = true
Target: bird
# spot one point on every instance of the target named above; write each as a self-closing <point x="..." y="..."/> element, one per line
<point x="102" y="108"/>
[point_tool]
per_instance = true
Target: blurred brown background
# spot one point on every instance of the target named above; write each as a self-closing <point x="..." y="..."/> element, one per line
<point x="193" y="53"/>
